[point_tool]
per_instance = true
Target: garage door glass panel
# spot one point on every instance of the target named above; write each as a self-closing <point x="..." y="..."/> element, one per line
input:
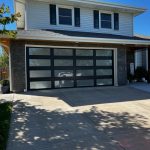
<point x="84" y="73"/>
<point x="101" y="82"/>
<point x="64" y="83"/>
<point x="39" y="51"/>
<point x="101" y="72"/>
<point x="40" y="73"/>
<point x="85" y="83"/>
<point x="40" y="85"/>
<point x="63" y="62"/>
<point x="63" y="73"/>
<point x="103" y="62"/>
<point x="63" y="52"/>
<point x="39" y="62"/>
<point x="84" y="52"/>
<point x="84" y="62"/>
<point x="103" y="53"/>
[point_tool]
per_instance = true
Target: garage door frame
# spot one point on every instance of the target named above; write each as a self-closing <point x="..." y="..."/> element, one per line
<point x="115" y="80"/>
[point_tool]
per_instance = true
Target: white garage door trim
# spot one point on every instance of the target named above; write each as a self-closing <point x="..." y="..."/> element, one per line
<point x="94" y="48"/>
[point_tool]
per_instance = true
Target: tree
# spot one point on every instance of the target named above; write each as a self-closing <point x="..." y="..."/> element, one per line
<point x="7" y="18"/>
<point x="4" y="64"/>
<point x="4" y="60"/>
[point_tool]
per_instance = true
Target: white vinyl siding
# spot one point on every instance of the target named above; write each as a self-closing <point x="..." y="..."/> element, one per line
<point x="20" y="7"/>
<point x="39" y="18"/>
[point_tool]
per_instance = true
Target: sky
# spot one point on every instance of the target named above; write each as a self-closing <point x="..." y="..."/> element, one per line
<point x="141" y="22"/>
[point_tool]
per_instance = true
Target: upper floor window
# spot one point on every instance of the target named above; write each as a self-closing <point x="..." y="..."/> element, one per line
<point x="65" y="16"/>
<point x="106" y="21"/>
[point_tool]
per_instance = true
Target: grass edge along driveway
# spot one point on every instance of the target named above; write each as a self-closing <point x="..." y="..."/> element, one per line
<point x="5" y="117"/>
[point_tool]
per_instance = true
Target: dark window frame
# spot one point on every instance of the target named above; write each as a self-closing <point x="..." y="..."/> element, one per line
<point x="65" y="16"/>
<point x="77" y="17"/>
<point x="116" y="21"/>
<point x="96" y="19"/>
<point x="107" y="21"/>
<point x="53" y="15"/>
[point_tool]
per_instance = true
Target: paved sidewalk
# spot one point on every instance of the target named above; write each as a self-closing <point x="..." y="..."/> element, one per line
<point x="6" y="98"/>
<point x="81" y="119"/>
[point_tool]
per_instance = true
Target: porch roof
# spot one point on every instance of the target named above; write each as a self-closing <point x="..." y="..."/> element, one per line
<point x="87" y="37"/>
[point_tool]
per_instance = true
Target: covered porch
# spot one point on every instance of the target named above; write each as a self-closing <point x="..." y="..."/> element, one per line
<point x="138" y="64"/>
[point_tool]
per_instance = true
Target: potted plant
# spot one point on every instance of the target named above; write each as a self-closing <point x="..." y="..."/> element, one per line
<point x="130" y="78"/>
<point x="5" y="86"/>
<point x="140" y="73"/>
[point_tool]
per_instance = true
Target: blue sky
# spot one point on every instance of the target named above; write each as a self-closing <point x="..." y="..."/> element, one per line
<point x="141" y="23"/>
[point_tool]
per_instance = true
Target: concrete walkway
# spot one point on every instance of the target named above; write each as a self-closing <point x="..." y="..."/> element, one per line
<point x="6" y="98"/>
<point x="141" y="86"/>
<point x="108" y="118"/>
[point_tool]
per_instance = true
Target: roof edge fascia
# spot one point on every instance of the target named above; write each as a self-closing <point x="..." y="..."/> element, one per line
<point x="86" y="40"/>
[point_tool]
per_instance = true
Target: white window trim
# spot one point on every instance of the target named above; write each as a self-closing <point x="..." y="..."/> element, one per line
<point x="57" y="14"/>
<point x="112" y="20"/>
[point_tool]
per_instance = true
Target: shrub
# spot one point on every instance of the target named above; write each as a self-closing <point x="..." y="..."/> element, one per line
<point x="130" y="77"/>
<point x="4" y="82"/>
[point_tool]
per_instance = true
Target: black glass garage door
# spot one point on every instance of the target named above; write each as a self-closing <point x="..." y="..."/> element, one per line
<point x="49" y="68"/>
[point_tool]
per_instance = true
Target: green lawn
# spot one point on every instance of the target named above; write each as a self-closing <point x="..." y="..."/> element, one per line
<point x="5" y="115"/>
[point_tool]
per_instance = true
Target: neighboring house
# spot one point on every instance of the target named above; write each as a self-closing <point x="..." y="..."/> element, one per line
<point x="75" y="43"/>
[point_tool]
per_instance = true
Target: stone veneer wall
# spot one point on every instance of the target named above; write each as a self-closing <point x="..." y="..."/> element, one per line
<point x="122" y="66"/>
<point x="17" y="55"/>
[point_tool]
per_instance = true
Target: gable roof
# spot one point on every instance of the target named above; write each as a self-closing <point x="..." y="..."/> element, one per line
<point x="74" y="36"/>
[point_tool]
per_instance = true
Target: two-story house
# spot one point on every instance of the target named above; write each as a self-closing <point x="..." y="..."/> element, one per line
<point x="74" y="43"/>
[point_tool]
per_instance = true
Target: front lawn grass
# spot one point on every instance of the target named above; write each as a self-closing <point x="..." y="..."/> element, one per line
<point x="5" y="115"/>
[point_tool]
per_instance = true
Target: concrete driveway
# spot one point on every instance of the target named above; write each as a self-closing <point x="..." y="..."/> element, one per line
<point x="109" y="118"/>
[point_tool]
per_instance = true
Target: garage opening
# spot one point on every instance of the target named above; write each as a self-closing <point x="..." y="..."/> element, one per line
<point x="52" y="68"/>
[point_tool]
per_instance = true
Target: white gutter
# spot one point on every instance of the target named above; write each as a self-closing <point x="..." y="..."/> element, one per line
<point x="98" y="4"/>
<point x="114" y="5"/>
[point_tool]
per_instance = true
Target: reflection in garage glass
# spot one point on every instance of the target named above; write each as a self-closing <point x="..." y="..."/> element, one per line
<point x="40" y="85"/>
<point x="84" y="52"/>
<point x="104" y="62"/>
<point x="64" y="83"/>
<point x="85" y="82"/>
<point x="39" y="51"/>
<point x="63" y="52"/>
<point x="63" y="73"/>
<point x="103" y="72"/>
<point x="40" y="73"/>
<point x="63" y="62"/>
<point x="39" y="62"/>
<point x="84" y="62"/>
<point x="104" y="82"/>
<point x="103" y="53"/>
<point x="85" y="73"/>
